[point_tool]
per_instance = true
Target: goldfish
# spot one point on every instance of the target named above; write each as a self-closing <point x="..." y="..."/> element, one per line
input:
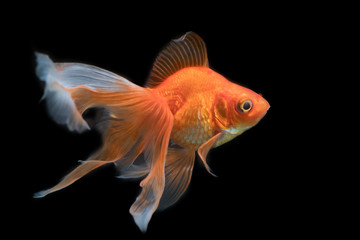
<point x="153" y="132"/>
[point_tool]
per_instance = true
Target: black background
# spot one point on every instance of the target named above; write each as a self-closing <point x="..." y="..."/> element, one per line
<point x="265" y="185"/>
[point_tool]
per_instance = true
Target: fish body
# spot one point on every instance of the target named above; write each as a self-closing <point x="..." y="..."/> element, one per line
<point x="203" y="103"/>
<point x="151" y="132"/>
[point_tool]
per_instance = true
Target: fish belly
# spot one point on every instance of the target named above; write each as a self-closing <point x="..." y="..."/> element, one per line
<point x="192" y="127"/>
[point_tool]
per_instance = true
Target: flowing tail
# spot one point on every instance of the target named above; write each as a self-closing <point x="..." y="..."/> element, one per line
<point x="137" y="122"/>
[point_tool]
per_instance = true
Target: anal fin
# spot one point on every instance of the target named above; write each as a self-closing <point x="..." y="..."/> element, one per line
<point x="178" y="172"/>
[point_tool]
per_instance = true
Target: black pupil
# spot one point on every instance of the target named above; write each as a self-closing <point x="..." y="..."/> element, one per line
<point x="246" y="106"/>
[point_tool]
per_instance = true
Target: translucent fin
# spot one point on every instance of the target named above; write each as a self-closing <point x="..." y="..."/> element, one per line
<point x="138" y="169"/>
<point x="142" y="123"/>
<point x="205" y="148"/>
<point x="178" y="172"/>
<point x="187" y="51"/>
<point x="117" y="142"/>
<point x="59" y="78"/>
<point x="158" y="124"/>
<point x="134" y="171"/>
<point x="80" y="171"/>
<point x="62" y="109"/>
<point x="70" y="75"/>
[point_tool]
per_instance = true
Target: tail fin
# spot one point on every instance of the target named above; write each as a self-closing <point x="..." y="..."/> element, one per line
<point x="139" y="121"/>
<point x="178" y="171"/>
<point x="59" y="78"/>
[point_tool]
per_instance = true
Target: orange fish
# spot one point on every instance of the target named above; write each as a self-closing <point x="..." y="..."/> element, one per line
<point x="151" y="132"/>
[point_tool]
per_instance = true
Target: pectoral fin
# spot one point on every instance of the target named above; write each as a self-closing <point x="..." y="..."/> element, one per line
<point x="204" y="149"/>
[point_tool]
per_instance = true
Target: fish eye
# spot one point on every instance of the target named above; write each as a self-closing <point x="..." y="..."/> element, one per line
<point x="244" y="106"/>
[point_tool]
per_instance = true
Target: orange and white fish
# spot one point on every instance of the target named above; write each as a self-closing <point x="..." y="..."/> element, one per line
<point x="151" y="132"/>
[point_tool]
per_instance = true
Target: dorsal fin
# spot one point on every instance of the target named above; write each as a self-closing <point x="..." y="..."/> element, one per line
<point x="187" y="51"/>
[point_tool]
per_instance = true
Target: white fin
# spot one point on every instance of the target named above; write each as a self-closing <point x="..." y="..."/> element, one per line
<point x="60" y="77"/>
<point x="59" y="103"/>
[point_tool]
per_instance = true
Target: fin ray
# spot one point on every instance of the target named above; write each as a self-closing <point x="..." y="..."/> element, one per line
<point x="205" y="148"/>
<point x="187" y="51"/>
<point x="156" y="141"/>
<point x="138" y="116"/>
<point x="84" y="168"/>
<point x="60" y="78"/>
<point x="178" y="172"/>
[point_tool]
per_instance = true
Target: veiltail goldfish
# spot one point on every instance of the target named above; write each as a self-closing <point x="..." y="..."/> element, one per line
<point x="151" y="132"/>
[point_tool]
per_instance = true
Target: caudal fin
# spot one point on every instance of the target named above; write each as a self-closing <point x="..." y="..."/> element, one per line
<point x="76" y="174"/>
<point x="70" y="89"/>
<point x="138" y="121"/>
<point x="60" y="78"/>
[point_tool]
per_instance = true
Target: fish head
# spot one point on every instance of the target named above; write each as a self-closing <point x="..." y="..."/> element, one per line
<point x="249" y="108"/>
<point x="239" y="109"/>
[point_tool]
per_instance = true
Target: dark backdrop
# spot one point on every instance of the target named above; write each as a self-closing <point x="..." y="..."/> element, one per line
<point x="263" y="184"/>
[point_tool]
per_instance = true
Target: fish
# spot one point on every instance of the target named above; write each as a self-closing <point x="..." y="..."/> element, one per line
<point x="151" y="133"/>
